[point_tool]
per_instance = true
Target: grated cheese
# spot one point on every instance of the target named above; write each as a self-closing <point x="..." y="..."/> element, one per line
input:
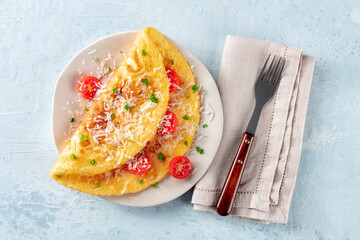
<point x="207" y="109"/>
<point x="92" y="52"/>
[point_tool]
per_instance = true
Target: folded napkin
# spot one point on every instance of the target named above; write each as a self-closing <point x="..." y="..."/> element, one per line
<point x="269" y="177"/>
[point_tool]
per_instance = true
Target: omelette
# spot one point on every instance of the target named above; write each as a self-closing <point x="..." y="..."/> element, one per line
<point x="123" y="118"/>
<point x="183" y="102"/>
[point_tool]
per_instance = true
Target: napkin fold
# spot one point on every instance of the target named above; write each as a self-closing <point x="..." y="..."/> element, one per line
<point x="269" y="177"/>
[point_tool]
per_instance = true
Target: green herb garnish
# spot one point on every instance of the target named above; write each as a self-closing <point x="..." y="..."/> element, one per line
<point x="141" y="181"/>
<point x="195" y="88"/>
<point x="83" y="138"/>
<point x="59" y="175"/>
<point x="96" y="58"/>
<point x="136" y="110"/>
<point x="73" y="156"/>
<point x="142" y="153"/>
<point x="112" y="115"/>
<point x="109" y="69"/>
<point x="161" y="156"/>
<point x="186" y="117"/>
<point x="86" y="109"/>
<point x="153" y="98"/>
<point x="127" y="139"/>
<point x="120" y="51"/>
<point x="155" y="185"/>
<point x="145" y="81"/>
<point x="116" y="122"/>
<point x="172" y="61"/>
<point x="144" y="53"/>
<point x="205" y="125"/>
<point x="115" y="90"/>
<point x="99" y="185"/>
<point x="200" y="150"/>
<point x="127" y="107"/>
<point x="92" y="162"/>
<point x="72" y="119"/>
<point x="186" y="143"/>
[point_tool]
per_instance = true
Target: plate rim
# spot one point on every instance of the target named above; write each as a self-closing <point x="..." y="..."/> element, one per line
<point x="181" y="49"/>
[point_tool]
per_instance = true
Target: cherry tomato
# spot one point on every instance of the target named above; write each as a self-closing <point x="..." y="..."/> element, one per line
<point x="180" y="167"/>
<point x="88" y="86"/>
<point x="168" y="124"/>
<point x="139" y="164"/>
<point x="173" y="78"/>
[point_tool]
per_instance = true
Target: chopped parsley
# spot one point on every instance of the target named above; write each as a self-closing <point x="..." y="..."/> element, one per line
<point x="172" y="61"/>
<point x="86" y="109"/>
<point x="109" y="69"/>
<point x="153" y="98"/>
<point x="73" y="156"/>
<point x="120" y="51"/>
<point x="127" y="139"/>
<point x="115" y="90"/>
<point x="145" y="81"/>
<point x="155" y="185"/>
<point x="205" y="125"/>
<point x="96" y="58"/>
<point x="186" y="143"/>
<point x="116" y="122"/>
<point x="161" y="156"/>
<point x="136" y="110"/>
<point x="92" y="162"/>
<point x="72" y="119"/>
<point x="99" y="185"/>
<point x="112" y="115"/>
<point x="141" y="181"/>
<point x="59" y="175"/>
<point x="187" y="97"/>
<point x="127" y="107"/>
<point x="200" y="150"/>
<point x="142" y="153"/>
<point x="186" y="117"/>
<point x="83" y="138"/>
<point x="144" y="53"/>
<point x="195" y="88"/>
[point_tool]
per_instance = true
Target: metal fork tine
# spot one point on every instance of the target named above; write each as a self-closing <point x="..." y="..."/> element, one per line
<point x="279" y="75"/>
<point x="263" y="69"/>
<point x="274" y="74"/>
<point x="266" y="78"/>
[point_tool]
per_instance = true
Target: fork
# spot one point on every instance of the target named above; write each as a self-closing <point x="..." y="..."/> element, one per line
<point x="265" y="87"/>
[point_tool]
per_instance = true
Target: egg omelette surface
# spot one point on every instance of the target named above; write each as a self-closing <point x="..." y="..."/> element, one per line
<point x="183" y="101"/>
<point x="110" y="133"/>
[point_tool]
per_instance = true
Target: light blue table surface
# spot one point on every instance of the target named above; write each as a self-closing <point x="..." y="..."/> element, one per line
<point x="38" y="38"/>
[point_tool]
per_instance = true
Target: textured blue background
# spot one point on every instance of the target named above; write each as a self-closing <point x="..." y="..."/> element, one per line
<point x="38" y="38"/>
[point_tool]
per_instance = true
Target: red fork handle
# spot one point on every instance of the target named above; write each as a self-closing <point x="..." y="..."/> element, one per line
<point x="228" y="193"/>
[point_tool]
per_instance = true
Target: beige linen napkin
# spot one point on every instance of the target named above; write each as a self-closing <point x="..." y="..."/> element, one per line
<point x="269" y="178"/>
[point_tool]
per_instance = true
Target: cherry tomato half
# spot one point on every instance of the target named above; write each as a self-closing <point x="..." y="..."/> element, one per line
<point x="168" y="123"/>
<point x="139" y="164"/>
<point x="88" y="86"/>
<point x="180" y="167"/>
<point x="173" y="78"/>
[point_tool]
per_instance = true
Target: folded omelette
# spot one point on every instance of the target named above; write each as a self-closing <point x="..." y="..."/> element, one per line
<point x="136" y="130"/>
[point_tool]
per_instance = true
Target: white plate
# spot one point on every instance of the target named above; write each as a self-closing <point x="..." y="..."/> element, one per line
<point x="169" y="188"/>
